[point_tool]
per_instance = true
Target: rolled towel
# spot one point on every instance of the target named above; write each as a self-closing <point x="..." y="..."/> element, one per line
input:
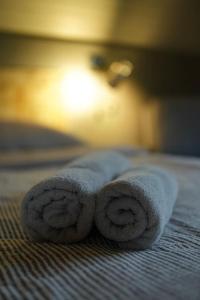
<point x="133" y="209"/>
<point x="61" y="209"/>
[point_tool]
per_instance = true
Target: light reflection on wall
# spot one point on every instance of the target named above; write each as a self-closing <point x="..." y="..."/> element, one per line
<point x="79" y="90"/>
<point x="75" y="100"/>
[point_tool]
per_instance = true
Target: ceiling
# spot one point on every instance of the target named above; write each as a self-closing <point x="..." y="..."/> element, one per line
<point x="168" y="24"/>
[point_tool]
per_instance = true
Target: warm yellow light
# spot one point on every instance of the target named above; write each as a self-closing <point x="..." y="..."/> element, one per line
<point x="79" y="91"/>
<point x="123" y="68"/>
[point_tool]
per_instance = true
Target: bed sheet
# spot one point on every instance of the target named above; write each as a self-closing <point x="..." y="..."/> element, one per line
<point x="93" y="269"/>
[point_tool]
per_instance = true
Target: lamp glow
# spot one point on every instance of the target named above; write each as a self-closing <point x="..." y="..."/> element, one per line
<point x="79" y="91"/>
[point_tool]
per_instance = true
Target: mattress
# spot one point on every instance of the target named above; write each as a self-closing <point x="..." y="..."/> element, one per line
<point x="93" y="269"/>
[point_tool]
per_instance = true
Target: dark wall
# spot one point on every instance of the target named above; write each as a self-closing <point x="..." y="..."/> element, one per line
<point x="176" y="125"/>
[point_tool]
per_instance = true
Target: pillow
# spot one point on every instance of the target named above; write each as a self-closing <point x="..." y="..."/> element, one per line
<point x="15" y="135"/>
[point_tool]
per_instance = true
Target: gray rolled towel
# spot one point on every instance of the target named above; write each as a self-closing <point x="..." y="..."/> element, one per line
<point x="61" y="208"/>
<point x="133" y="209"/>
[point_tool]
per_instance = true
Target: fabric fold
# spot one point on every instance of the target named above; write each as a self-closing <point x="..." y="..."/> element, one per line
<point x="61" y="209"/>
<point x="133" y="209"/>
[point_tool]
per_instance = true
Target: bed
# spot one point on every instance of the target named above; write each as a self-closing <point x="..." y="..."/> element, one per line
<point x="93" y="269"/>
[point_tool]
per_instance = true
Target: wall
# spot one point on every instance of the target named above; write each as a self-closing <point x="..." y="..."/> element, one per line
<point x="38" y="95"/>
<point x="166" y="24"/>
<point x="33" y="74"/>
<point x="52" y="83"/>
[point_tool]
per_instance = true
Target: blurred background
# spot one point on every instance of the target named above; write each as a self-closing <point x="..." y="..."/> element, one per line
<point x="109" y="72"/>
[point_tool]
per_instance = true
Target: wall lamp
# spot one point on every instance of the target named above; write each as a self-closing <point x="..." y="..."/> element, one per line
<point x="116" y="71"/>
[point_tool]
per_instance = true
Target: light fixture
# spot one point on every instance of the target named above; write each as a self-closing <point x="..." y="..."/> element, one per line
<point x="118" y="71"/>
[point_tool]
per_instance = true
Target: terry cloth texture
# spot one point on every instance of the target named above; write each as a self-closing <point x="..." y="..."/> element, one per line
<point x="61" y="208"/>
<point x="133" y="209"/>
